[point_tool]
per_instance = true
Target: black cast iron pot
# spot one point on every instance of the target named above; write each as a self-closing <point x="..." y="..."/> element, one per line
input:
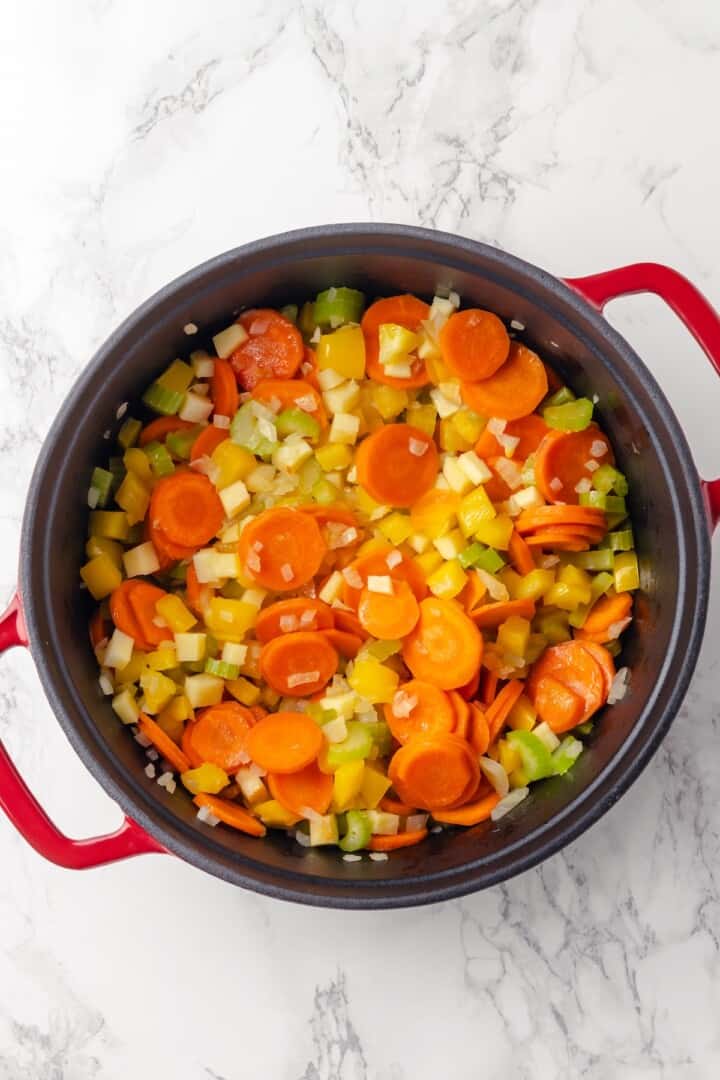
<point x="672" y="511"/>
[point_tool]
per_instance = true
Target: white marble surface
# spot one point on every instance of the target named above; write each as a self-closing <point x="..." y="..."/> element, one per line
<point x="140" y="138"/>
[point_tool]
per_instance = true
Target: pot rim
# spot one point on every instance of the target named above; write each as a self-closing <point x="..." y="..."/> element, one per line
<point x="591" y="802"/>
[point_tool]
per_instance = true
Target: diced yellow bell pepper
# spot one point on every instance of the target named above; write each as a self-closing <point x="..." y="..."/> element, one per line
<point x="475" y="508"/>
<point x="178" y="617"/>
<point x="137" y="462"/>
<point x="373" y="680"/>
<point x="396" y="527"/>
<point x="495" y="533"/>
<point x="450" y="439"/>
<point x="112" y="524"/>
<point x="450" y="544"/>
<point x="230" y="620"/>
<point x="428" y="562"/>
<point x="101" y="576"/>
<point x="134" y="498"/>
<point x="509" y="757"/>
<point x="269" y="697"/>
<point x="435" y="514"/>
<point x="554" y="626"/>
<point x="334" y="456"/>
<point x="163" y="658"/>
<point x="177" y="377"/>
<point x="627" y="572"/>
<point x="522" y="716"/>
<point x="158" y="690"/>
<point x="567" y="597"/>
<point x="518" y="778"/>
<point x="169" y="722"/>
<point x="232" y="462"/>
<point x="99" y="545"/>
<point x="423" y="417"/>
<point x="436" y="368"/>
<point x="513" y="636"/>
<point x="133" y="670"/>
<point x="366" y="505"/>
<point x="576" y="579"/>
<point x="347" y="784"/>
<point x="537" y="644"/>
<point x="396" y="343"/>
<point x="374" y="785"/>
<point x="179" y="709"/>
<point x="468" y="424"/>
<point x="389" y="401"/>
<point x="275" y="815"/>
<point x="448" y="580"/>
<point x="207" y="778"/>
<point x="244" y="691"/>
<point x="534" y="585"/>
<point x="343" y="351"/>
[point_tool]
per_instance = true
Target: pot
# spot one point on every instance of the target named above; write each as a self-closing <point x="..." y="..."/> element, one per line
<point x="673" y="511"/>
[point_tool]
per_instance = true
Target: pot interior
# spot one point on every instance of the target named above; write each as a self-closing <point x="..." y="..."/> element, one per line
<point x="667" y="517"/>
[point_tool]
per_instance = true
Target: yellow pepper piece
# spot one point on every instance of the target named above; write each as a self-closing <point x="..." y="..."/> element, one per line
<point x="366" y="504"/>
<point x="435" y="514"/>
<point x="207" y="778"/>
<point x="158" y="690"/>
<point x="627" y="572"/>
<point x="177" y="377"/>
<point x="163" y="658"/>
<point x="169" y="721"/>
<point x="179" y="618"/>
<point x="134" y="497"/>
<point x="388" y="400"/>
<point x="269" y="697"/>
<point x="374" y="785"/>
<point x="509" y="757"/>
<point x="244" y="691"/>
<point x="495" y="533"/>
<point x="448" y="580"/>
<point x="230" y="620"/>
<point x="436" y="368"/>
<point x="513" y="636"/>
<point x="137" y="462"/>
<point x="396" y="343"/>
<point x="372" y="680"/>
<point x="468" y="424"/>
<point x="133" y="670"/>
<point x="101" y="576"/>
<point x="100" y="545"/>
<point x="522" y="716"/>
<point x="396" y="527"/>
<point x="534" y="585"/>
<point x="554" y="626"/>
<point x="112" y="524"/>
<point x="232" y="462"/>
<point x="450" y="439"/>
<point x="275" y="814"/>
<point x="343" y="351"/>
<point x="475" y="508"/>
<point x="347" y="784"/>
<point x="334" y="456"/>
<point x="567" y="597"/>
<point x="428" y="562"/>
<point x="576" y="579"/>
<point x="423" y="417"/>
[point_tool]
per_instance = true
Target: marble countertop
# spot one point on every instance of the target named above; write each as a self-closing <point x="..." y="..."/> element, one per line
<point x="137" y="140"/>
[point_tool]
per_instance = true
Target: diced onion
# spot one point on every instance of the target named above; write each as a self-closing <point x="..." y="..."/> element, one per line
<point x="591" y="465"/>
<point x="598" y="448"/>
<point x="380" y="583"/>
<point x="379" y="856"/>
<point x="350" y="856"/>
<point x="509" y="803"/>
<point x="556" y="484"/>
<point x="615" y="629"/>
<point x="495" y="426"/>
<point x="583" y="486"/>
<point x="496" y="774"/>
<point x="92" y="497"/>
<point x="220" y="421"/>
<point x="286" y="572"/>
<point x="497" y="590"/>
<point x="150" y="771"/>
<point x="415" y="821"/>
<point x="417" y="447"/>
<point x="353" y="578"/>
<point x="302" y="678"/>
<point x="403" y="703"/>
<point x="393" y="559"/>
<point x="619" y="686"/>
<point x="308" y="618"/>
<point x="289" y="623"/>
<point x="306" y="402"/>
<point x="207" y="817"/>
<point x="510" y="472"/>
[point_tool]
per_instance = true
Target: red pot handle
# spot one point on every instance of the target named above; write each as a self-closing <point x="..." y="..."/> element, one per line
<point x="700" y="317"/>
<point x="28" y="816"/>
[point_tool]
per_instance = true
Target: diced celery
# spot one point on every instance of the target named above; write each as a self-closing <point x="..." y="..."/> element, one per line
<point x="586" y="728"/>
<point x="357" y="745"/>
<point x="607" y="478"/>
<point x="222" y="669"/>
<point x="536" y="759"/>
<point x="567" y="753"/>
<point x="357" y="831"/>
<point x="336" y="306"/>
<point x="572" y="416"/>
<point x="290" y="312"/>
<point x="116" y="468"/>
<point x="159" y="458"/>
<point x="100" y="486"/>
<point x="177" y="377"/>
<point x="324" y="492"/>
<point x="560" y="397"/>
<point x="180" y="443"/>
<point x="611" y="504"/>
<point x="477" y="555"/>
<point x="619" y="541"/>
<point x="598" y="559"/>
<point x="296" y="421"/>
<point x="162" y="401"/>
<point x="600" y="584"/>
<point x="128" y="434"/>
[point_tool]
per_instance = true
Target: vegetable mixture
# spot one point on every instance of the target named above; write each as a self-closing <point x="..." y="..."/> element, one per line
<point x="362" y="572"/>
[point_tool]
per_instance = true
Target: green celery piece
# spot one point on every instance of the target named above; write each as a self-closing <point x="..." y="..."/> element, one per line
<point x="221" y="668"/>
<point x="160" y="460"/>
<point x="467" y="557"/>
<point x="162" y="401"/>
<point x="117" y="467"/>
<point x="179" y="571"/>
<point x="613" y="520"/>
<point x="337" y="306"/>
<point x="607" y="478"/>
<point x="381" y="737"/>
<point x="579" y="615"/>
<point x="573" y="416"/>
<point x="297" y="421"/>
<point x="356" y="745"/>
<point x="615" y="504"/>
<point x="128" y="434"/>
<point x="621" y="541"/>
<point x="596" y="559"/>
<point x="244" y="432"/>
<point x="560" y="397"/>
<point x="357" y="831"/>
<point x="601" y="583"/>
<point x="180" y="443"/>
<point x="596" y="499"/>
<point x="306" y="320"/>
<point x="101" y="481"/>
<point x="319" y="714"/>
<point x="536" y="758"/>
<point x="586" y="728"/>
<point x="290" y="312"/>
<point x="479" y="557"/>
<point x="566" y="754"/>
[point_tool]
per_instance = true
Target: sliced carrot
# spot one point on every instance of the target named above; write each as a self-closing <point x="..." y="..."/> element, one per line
<point x="606" y="613"/>
<point x="389" y="617"/>
<point x="489" y="616"/>
<point x="497" y="713"/>
<point x="530" y="430"/>
<point x="405" y="311"/>
<point x="470" y="688"/>
<point x="462" y="714"/>
<point x="474" y="592"/>
<point x="163" y="743"/>
<point x="563" y="539"/>
<point x="562" y="462"/>
<point x="186" y="508"/>
<point x="604" y="659"/>
<point x="286" y="616"/>
<point x="219" y="734"/>
<point x="397" y="464"/>
<point x="397" y="841"/>
<point x="98" y="628"/>
<point x="394" y="806"/>
<point x="479" y="729"/>
<point x="167" y="552"/>
<point x="207" y="441"/>
<point x="348" y="622"/>
<point x="288" y="392"/>
<point x="336" y="513"/>
<point x="375" y="563"/>
<point x="514" y="390"/>
<point x="299" y="664"/>
<point x="431" y="711"/>
<point x="557" y="705"/>
<point x="347" y="645"/>
<point x="157" y="430"/>
<point x="520" y="554"/>
<point x="489" y="686"/>
<point x="123" y="616"/>
<point x="223" y="389"/>
<point x="274" y="348"/>
<point x="474" y="344"/>
<point x="309" y="788"/>
<point x="258" y="712"/>
<point x="281" y="549"/>
<point x="142" y="597"/>
<point x="445" y="648"/>
<point x="434" y="771"/>
<point x="434" y="504"/>
<point x="231" y="814"/>
<point x="308" y="367"/>
<point x="198" y="596"/>
<point x="284" y="742"/>
<point x="187" y="747"/>
<point x="550" y="517"/>
<point x="574" y="666"/>
<point x="471" y="814"/>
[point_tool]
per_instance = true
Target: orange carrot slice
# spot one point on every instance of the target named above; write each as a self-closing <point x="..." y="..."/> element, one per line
<point x="348" y="622"/>
<point x="470" y="688"/>
<point x="489" y="616"/>
<point x="551" y="517"/>
<point x="397" y="464"/>
<point x="462" y="714"/>
<point x="479" y="729"/>
<point x="430" y="711"/>
<point x="607" y="612"/>
<point x="474" y="344"/>
<point x="574" y="666"/>
<point x="274" y="348"/>
<point x="498" y="712"/>
<point x="562" y="461"/>
<point x="288" y="392"/>
<point x="394" y="806"/>
<point x="186" y="508"/>
<point x="219" y="735"/>
<point x="284" y="742"/>
<point x="520" y="554"/>
<point x="434" y="771"/>
<point x="530" y="430"/>
<point x="471" y="814"/>
<point x="298" y="791"/>
<point x="223" y="389"/>
<point x="289" y="616"/>
<point x="389" y="617"/>
<point x="397" y="841"/>
<point x="604" y="659"/>
<point x="142" y="597"/>
<point x="298" y="664"/>
<point x="198" y="596"/>
<point x="445" y="648"/>
<point x="123" y="616"/>
<point x="163" y="743"/>
<point x="513" y="391"/>
<point x="375" y="563"/>
<point x="231" y="814"/>
<point x="281" y="549"/>
<point x="157" y="430"/>
<point x="345" y="644"/>
<point x="559" y="706"/>
<point x="207" y="441"/>
<point x="405" y="311"/>
<point x="489" y="687"/>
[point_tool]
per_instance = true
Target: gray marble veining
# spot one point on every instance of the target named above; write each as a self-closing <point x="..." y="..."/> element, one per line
<point x="139" y="139"/>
